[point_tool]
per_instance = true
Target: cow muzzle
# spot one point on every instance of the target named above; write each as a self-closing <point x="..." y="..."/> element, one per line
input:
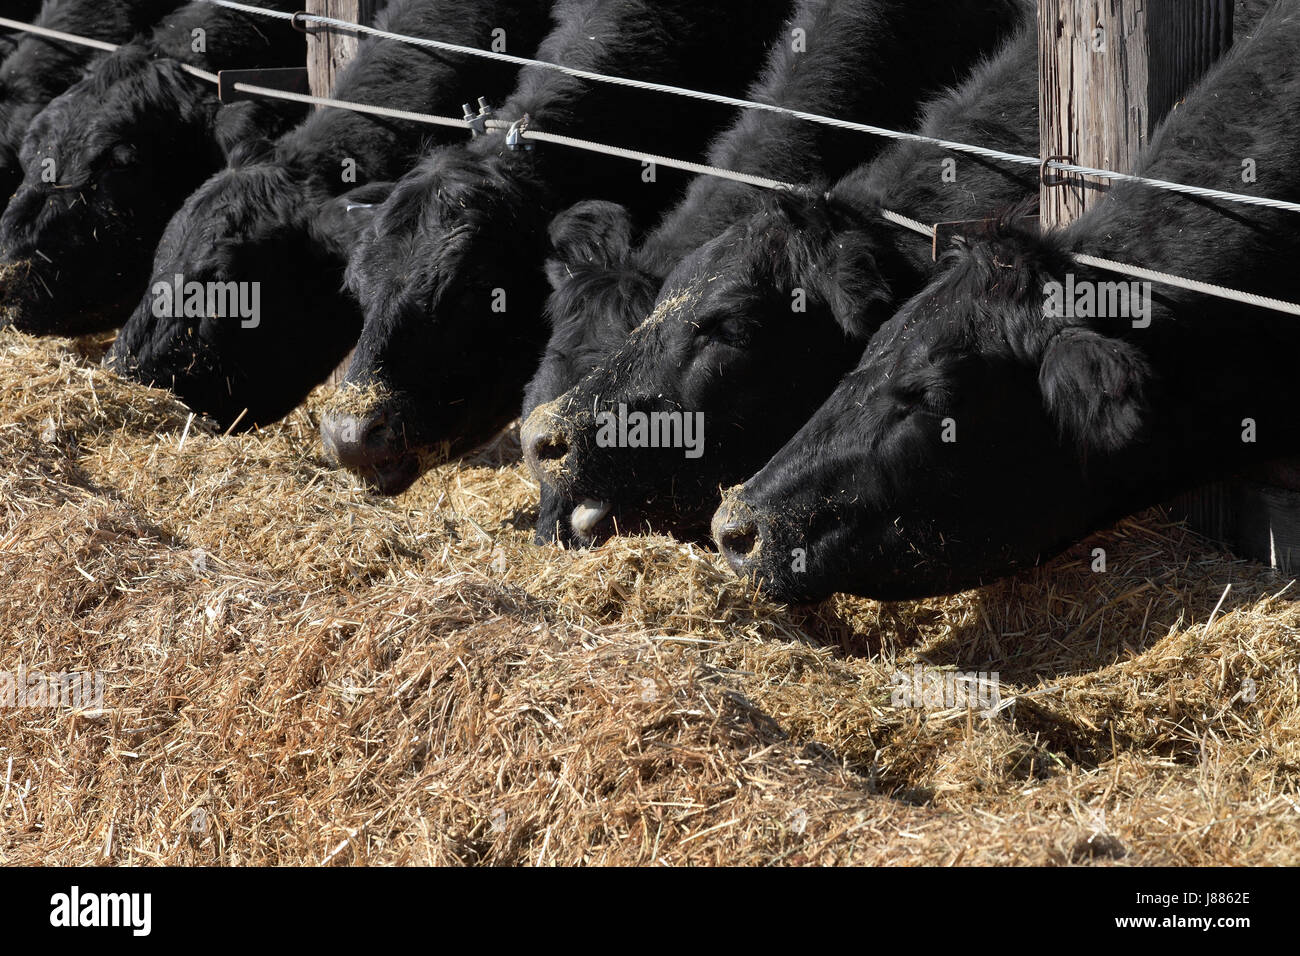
<point x="370" y="446"/>
<point x="545" y="441"/>
<point x="738" y="537"/>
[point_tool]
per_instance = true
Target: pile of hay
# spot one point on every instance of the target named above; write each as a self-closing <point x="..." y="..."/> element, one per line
<point x="299" y="673"/>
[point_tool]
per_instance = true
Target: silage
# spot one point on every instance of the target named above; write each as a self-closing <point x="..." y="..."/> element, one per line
<point x="298" y="672"/>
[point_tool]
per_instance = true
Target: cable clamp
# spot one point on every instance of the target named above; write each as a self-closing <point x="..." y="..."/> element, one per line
<point x="515" y="135"/>
<point x="478" y="121"/>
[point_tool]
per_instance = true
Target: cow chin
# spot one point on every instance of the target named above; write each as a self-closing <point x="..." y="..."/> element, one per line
<point x="390" y="476"/>
<point x="801" y="551"/>
<point x="677" y="505"/>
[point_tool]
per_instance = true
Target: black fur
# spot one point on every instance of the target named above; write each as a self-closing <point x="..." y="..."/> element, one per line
<point x="256" y="221"/>
<point x="1062" y="424"/>
<point x="24" y="10"/>
<point x="126" y="145"/>
<point x="471" y="220"/>
<point x="860" y="63"/>
<point x="727" y="338"/>
<point x="39" y="69"/>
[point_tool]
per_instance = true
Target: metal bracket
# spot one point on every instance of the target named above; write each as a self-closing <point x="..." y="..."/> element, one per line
<point x="960" y="230"/>
<point x="289" y="79"/>
<point x="515" y="135"/>
<point x="478" y="121"/>
<point x="301" y="26"/>
<point x="1053" y="180"/>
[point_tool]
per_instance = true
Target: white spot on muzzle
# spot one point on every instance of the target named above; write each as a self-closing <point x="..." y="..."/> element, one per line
<point x="587" y="515"/>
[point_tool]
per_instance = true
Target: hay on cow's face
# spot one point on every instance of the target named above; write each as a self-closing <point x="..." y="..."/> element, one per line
<point x="298" y="672"/>
<point x="356" y="400"/>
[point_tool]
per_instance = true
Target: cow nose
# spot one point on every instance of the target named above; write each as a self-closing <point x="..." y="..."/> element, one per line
<point x="348" y="438"/>
<point x="370" y="446"/>
<point x="735" y="530"/>
<point x="543" y="443"/>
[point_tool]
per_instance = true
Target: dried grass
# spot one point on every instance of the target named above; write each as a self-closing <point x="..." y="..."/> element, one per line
<point x="299" y="673"/>
<point x="355" y="400"/>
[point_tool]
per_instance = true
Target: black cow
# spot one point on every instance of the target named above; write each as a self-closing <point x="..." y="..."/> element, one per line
<point x="39" y="69"/>
<point x="1004" y="414"/>
<point x="751" y="332"/>
<point x="277" y="225"/>
<point x="857" y="61"/>
<point x="452" y="276"/>
<point x="110" y="160"/>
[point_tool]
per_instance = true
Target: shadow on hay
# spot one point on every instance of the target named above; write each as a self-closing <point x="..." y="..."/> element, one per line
<point x="1064" y="618"/>
<point x="1067" y="618"/>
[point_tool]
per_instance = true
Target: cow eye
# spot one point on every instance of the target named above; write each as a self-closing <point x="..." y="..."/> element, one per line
<point x="723" y="329"/>
<point x="923" y="394"/>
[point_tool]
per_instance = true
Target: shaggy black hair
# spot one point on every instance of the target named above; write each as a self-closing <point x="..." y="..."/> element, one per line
<point x="24" y="10"/>
<point x="255" y="221"/>
<point x="600" y="295"/>
<point x="770" y="314"/>
<point x="1062" y="423"/>
<point x="127" y="144"/>
<point x="435" y="276"/>
<point x="37" y="69"/>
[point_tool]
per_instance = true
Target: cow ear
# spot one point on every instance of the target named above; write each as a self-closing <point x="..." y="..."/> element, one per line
<point x="591" y="233"/>
<point x="239" y="130"/>
<point x="340" y="221"/>
<point x="1095" y="388"/>
<point x="854" y="286"/>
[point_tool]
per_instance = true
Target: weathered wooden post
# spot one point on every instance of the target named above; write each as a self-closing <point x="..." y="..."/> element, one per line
<point x="1109" y="72"/>
<point x="330" y="49"/>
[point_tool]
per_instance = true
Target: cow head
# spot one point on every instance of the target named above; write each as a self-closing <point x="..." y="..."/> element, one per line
<point x="452" y="300"/>
<point x="249" y="232"/>
<point x="747" y="337"/>
<point x="977" y="436"/>
<point x="599" y="292"/>
<point x="106" y="163"/>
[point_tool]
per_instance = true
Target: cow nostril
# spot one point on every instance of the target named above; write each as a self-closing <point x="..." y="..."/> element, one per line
<point x="371" y="429"/>
<point x="548" y="446"/>
<point x="373" y="448"/>
<point x="349" y="438"/>
<point x="735" y="529"/>
<point x="738" y="540"/>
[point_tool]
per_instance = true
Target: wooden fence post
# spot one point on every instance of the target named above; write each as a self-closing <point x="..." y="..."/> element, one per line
<point x="328" y="52"/>
<point x="328" y="49"/>
<point x="1109" y="72"/>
